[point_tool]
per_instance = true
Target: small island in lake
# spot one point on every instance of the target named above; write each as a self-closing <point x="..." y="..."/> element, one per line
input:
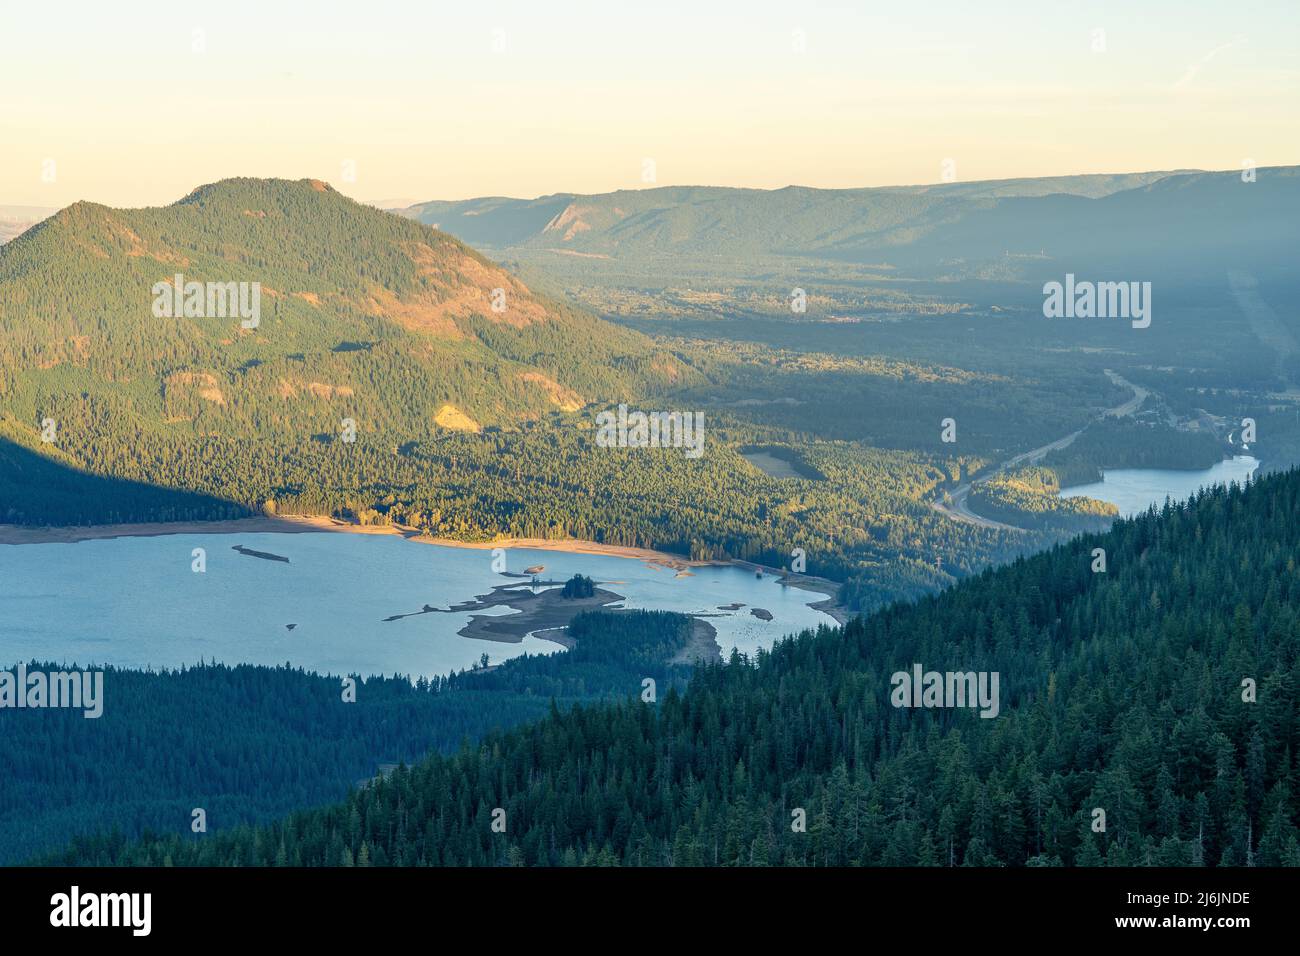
<point x="546" y="614"/>
<point x="264" y="555"/>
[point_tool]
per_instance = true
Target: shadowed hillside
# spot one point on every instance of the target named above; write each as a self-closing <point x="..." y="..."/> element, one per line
<point x="44" y="489"/>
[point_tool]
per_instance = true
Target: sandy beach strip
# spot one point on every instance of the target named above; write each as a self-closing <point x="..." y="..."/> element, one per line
<point x="296" y="524"/>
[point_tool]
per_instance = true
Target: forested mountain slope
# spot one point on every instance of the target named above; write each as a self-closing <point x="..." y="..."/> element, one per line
<point x="1120" y="691"/>
<point x="250" y="744"/>
<point x="363" y="315"/>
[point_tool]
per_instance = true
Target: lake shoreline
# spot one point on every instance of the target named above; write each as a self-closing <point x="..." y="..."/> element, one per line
<point x="805" y="582"/>
<point x="296" y="524"/>
<point x="1128" y="489"/>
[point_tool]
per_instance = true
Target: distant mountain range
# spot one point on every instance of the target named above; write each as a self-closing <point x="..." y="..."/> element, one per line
<point x="777" y="220"/>
<point x="1020" y="228"/>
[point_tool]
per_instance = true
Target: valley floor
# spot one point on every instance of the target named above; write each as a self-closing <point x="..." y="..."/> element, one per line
<point x="957" y="507"/>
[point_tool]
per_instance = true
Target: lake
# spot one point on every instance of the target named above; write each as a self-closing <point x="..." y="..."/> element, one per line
<point x="135" y="602"/>
<point x="1133" y="490"/>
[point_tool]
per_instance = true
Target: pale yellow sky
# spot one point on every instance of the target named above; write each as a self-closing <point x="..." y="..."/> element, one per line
<point x="439" y="101"/>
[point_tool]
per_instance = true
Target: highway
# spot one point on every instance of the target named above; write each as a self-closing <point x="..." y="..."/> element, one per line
<point x="957" y="508"/>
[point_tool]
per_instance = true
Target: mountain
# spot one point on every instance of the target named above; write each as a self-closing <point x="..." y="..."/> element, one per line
<point x="380" y="386"/>
<point x="1181" y="221"/>
<point x="363" y="315"/>
<point x="637" y="221"/>
<point x="1158" y="698"/>
<point x="1184" y="224"/>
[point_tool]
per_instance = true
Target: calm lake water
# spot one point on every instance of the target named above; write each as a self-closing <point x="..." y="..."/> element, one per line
<point x="135" y="602"/>
<point x="1133" y="490"/>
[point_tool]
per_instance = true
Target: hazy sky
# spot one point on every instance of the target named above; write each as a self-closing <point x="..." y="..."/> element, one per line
<point x="138" y="102"/>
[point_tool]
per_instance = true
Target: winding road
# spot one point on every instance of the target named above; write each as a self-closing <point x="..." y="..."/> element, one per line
<point x="957" y="508"/>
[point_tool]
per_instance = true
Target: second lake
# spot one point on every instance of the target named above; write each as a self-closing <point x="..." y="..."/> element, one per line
<point x="1133" y="490"/>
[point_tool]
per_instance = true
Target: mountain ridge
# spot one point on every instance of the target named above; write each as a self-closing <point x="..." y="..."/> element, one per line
<point x="988" y="229"/>
<point x="667" y="196"/>
<point x="345" y="289"/>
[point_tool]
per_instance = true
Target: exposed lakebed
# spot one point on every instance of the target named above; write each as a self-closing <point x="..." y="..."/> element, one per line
<point x="338" y="603"/>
